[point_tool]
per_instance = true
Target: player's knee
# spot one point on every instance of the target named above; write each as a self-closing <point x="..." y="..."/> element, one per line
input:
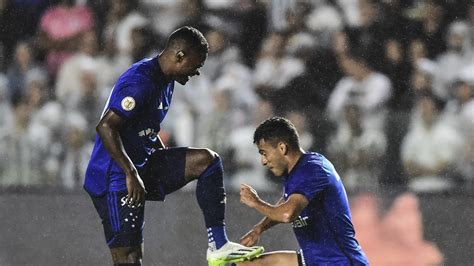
<point x="207" y="157"/>
<point x="197" y="161"/>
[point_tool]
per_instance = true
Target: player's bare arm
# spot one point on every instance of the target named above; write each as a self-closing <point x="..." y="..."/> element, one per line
<point x="108" y="129"/>
<point x="253" y="236"/>
<point x="284" y="212"/>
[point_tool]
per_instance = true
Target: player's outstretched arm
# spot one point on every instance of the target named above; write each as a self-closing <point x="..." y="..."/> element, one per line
<point x="108" y="128"/>
<point x="284" y="212"/>
<point x="252" y="237"/>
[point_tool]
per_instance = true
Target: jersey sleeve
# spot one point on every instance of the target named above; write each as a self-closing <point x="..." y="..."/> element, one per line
<point x="128" y="99"/>
<point x="309" y="183"/>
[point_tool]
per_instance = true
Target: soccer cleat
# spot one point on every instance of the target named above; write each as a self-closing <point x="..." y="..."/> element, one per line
<point x="232" y="252"/>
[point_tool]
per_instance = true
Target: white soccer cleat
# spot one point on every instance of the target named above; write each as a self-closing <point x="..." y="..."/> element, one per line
<point x="232" y="252"/>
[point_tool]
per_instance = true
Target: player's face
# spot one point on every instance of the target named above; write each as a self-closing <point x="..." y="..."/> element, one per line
<point x="273" y="157"/>
<point x="188" y="68"/>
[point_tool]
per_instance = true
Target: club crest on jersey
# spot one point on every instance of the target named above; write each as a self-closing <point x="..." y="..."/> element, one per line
<point x="128" y="103"/>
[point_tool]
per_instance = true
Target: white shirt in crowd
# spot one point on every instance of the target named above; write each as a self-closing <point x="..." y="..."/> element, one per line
<point x="371" y="94"/>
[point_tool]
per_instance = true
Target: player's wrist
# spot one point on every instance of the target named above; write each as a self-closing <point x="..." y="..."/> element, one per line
<point x="258" y="229"/>
<point x="131" y="172"/>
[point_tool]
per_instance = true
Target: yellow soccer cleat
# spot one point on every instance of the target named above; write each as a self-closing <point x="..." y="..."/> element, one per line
<point x="231" y="253"/>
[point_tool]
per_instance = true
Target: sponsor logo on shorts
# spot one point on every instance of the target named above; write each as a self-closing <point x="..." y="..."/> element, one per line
<point x="124" y="200"/>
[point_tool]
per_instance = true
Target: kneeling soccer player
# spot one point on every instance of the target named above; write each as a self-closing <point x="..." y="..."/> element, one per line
<point x="314" y="201"/>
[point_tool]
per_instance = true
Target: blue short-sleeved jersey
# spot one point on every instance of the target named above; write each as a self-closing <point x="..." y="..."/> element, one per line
<point x="141" y="96"/>
<point x="324" y="228"/>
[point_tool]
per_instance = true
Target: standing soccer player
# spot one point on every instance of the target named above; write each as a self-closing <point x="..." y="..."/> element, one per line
<point x="314" y="201"/>
<point x="129" y="162"/>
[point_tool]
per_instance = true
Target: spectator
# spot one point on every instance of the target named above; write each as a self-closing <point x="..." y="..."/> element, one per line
<point x="433" y="27"/>
<point x="470" y="21"/>
<point x="44" y="130"/>
<point x="18" y="21"/>
<point x="190" y="105"/>
<point x="246" y="162"/>
<point x="369" y="88"/>
<point x="111" y="63"/>
<point x="416" y="51"/>
<point x="358" y="151"/>
<point x="350" y="11"/>
<point x="194" y="13"/>
<point x="23" y="64"/>
<point x="91" y="100"/>
<point x="459" y="111"/>
<point x="398" y="69"/>
<point x="430" y="149"/>
<point x="464" y="167"/>
<point x="164" y="15"/>
<point x="122" y="18"/>
<point x="450" y="63"/>
<point x="6" y="119"/>
<point x="324" y="20"/>
<point x="60" y="30"/>
<point x="252" y="19"/>
<point x="274" y="68"/>
<point x="76" y="153"/>
<point x="69" y="83"/>
<point x="218" y="124"/>
<point x="369" y="36"/>
<point x="221" y="54"/>
<point x="143" y="41"/>
<point x="301" y="125"/>
<point x="18" y="162"/>
<point x="238" y="78"/>
<point x="421" y="83"/>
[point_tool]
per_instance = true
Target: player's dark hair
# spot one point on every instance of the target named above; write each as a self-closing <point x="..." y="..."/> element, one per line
<point x="192" y="38"/>
<point x="277" y="129"/>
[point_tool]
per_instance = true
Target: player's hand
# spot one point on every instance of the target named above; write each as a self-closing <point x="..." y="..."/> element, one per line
<point x="136" y="190"/>
<point x="248" y="195"/>
<point x="251" y="238"/>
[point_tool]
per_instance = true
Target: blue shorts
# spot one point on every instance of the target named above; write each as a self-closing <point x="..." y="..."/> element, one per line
<point x="123" y="226"/>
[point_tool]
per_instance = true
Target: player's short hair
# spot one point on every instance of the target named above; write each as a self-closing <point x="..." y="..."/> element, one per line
<point x="193" y="39"/>
<point x="277" y="129"/>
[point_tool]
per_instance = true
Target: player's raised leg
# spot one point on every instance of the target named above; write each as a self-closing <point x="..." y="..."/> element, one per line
<point x="206" y="166"/>
<point x="176" y="167"/>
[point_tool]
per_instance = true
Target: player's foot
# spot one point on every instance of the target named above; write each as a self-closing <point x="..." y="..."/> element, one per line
<point x="232" y="252"/>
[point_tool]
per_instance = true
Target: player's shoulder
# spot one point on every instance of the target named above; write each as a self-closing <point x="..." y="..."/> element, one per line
<point x="139" y="75"/>
<point x="313" y="159"/>
<point x="140" y="72"/>
<point x="309" y="163"/>
<point x="317" y="164"/>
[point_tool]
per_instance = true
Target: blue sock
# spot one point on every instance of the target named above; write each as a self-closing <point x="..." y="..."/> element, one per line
<point x="217" y="235"/>
<point x="210" y="195"/>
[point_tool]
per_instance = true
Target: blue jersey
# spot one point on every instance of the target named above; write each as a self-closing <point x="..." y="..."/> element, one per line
<point x="324" y="228"/>
<point x="141" y="97"/>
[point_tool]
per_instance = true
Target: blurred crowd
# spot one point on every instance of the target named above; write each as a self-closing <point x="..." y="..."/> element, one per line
<point x="385" y="89"/>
